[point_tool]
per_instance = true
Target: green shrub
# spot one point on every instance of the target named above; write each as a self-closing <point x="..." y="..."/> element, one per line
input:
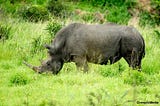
<point x="152" y="17"/>
<point x="155" y="4"/>
<point x="53" y="27"/>
<point x="57" y="8"/>
<point x="19" y="79"/>
<point x="7" y="7"/>
<point x="157" y="34"/>
<point x="117" y="9"/>
<point x="106" y="72"/>
<point x="111" y="70"/>
<point x="145" y="90"/>
<point x="98" y="97"/>
<point x="135" y="78"/>
<point x="5" y="32"/>
<point x="47" y="102"/>
<point x="88" y="17"/>
<point x="6" y="66"/>
<point x="118" y="15"/>
<point x="34" y="13"/>
<point x="147" y="19"/>
<point x="110" y="3"/>
<point x="101" y="97"/>
<point x="40" y="2"/>
<point x="37" y="45"/>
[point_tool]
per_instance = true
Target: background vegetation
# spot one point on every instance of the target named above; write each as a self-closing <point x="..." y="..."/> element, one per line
<point x="26" y="25"/>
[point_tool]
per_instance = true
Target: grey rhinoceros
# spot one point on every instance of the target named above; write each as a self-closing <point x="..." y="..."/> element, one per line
<point x="99" y="44"/>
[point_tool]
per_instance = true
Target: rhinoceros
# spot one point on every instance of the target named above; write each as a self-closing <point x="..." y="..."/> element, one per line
<point x="99" y="44"/>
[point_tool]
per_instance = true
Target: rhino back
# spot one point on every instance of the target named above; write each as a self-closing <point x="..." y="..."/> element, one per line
<point x="61" y="37"/>
<point x="97" y="42"/>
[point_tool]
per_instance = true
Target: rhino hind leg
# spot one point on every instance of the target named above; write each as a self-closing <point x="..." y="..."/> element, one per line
<point x="81" y="63"/>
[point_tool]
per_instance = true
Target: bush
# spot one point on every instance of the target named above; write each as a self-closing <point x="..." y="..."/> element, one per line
<point x="37" y="45"/>
<point x="19" y="79"/>
<point x="157" y="34"/>
<point x="110" y="3"/>
<point x="152" y="17"/>
<point x="135" y="78"/>
<point x="57" y="8"/>
<point x="53" y="27"/>
<point x="155" y="4"/>
<point x="34" y="13"/>
<point x="7" y="7"/>
<point x="98" y="97"/>
<point x="40" y="2"/>
<point x="88" y="17"/>
<point x="112" y="70"/>
<point x="106" y="72"/>
<point x="117" y="9"/>
<point x="148" y="19"/>
<point x="118" y="15"/>
<point x="4" y="32"/>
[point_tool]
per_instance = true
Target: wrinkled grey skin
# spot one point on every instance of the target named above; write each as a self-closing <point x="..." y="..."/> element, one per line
<point x="99" y="44"/>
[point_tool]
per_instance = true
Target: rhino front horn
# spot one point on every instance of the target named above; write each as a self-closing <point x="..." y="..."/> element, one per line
<point x="34" y="68"/>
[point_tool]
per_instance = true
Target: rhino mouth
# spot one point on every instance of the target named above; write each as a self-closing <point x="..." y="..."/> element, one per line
<point x="34" y="68"/>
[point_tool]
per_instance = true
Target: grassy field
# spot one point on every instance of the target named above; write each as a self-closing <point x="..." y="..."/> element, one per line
<point x="104" y="85"/>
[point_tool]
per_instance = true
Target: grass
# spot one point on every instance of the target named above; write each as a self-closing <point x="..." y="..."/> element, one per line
<point x="70" y="87"/>
<point x="104" y="85"/>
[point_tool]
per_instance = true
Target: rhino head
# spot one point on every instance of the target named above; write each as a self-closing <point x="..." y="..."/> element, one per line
<point x="46" y="66"/>
<point x="53" y="64"/>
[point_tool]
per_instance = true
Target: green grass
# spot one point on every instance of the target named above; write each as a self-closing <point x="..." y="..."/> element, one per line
<point x="104" y="85"/>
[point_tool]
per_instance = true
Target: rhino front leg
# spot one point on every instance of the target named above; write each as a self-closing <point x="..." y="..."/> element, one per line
<point x="134" y="60"/>
<point x="81" y="63"/>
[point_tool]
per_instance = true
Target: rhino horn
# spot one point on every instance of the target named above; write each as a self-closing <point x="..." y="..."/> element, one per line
<point x="34" y="68"/>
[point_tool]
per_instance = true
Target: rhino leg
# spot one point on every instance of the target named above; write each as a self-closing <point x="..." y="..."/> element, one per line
<point x="81" y="63"/>
<point x="134" y="59"/>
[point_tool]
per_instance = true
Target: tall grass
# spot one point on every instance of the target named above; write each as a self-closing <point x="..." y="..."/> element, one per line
<point x="104" y="85"/>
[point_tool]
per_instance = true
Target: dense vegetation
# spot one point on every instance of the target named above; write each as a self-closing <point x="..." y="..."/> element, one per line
<point x="26" y="25"/>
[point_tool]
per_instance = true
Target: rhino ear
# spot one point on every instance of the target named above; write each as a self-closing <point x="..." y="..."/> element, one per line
<point x="48" y="47"/>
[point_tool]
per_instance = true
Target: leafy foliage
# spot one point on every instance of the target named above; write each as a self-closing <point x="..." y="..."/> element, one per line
<point x="88" y="17"/>
<point x="57" y="8"/>
<point x="110" y="3"/>
<point x="147" y="19"/>
<point x="34" y="13"/>
<point x="19" y="79"/>
<point x="53" y="27"/>
<point x="135" y="78"/>
<point x="97" y="98"/>
<point x="7" y="7"/>
<point x="26" y="1"/>
<point x="118" y="15"/>
<point x="112" y="70"/>
<point x="5" y="32"/>
<point x="157" y="34"/>
<point x="152" y="17"/>
<point x="37" y="45"/>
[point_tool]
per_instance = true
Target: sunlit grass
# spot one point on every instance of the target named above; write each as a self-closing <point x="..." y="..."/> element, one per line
<point x="103" y="85"/>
